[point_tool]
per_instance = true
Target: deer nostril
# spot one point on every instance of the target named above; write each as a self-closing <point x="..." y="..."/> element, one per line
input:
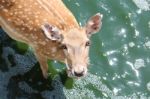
<point x="78" y="74"/>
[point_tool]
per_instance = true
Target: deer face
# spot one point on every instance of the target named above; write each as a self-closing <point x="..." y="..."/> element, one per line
<point x="75" y="44"/>
<point x="76" y="48"/>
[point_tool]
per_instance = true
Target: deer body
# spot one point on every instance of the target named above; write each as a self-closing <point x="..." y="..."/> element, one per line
<point x="39" y="23"/>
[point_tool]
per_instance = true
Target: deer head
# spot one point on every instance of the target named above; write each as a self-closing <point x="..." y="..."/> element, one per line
<point x="75" y="44"/>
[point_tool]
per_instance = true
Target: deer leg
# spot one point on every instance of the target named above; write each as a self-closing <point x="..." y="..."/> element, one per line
<point x="43" y="64"/>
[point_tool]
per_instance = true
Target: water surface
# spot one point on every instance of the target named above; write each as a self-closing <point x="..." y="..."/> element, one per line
<point x="120" y="58"/>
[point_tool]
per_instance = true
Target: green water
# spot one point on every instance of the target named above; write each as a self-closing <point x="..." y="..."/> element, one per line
<point x="119" y="54"/>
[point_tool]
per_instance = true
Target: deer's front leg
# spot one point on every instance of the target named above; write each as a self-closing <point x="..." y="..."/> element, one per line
<point x="43" y="63"/>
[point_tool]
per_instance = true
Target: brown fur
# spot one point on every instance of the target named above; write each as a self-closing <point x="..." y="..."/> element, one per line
<point x="22" y="21"/>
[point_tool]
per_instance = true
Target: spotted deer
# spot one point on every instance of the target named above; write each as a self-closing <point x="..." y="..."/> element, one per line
<point x="51" y="30"/>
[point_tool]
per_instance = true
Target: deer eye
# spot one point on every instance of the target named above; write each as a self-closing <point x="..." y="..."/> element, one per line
<point x="88" y="43"/>
<point x="64" y="47"/>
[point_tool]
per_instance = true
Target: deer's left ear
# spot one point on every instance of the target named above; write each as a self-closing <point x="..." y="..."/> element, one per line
<point x="94" y="24"/>
<point x="51" y="32"/>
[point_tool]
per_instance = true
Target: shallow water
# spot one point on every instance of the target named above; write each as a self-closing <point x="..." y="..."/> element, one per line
<point x="120" y="58"/>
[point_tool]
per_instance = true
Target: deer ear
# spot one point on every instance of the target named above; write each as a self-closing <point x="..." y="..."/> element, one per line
<point x="51" y="32"/>
<point x="94" y="24"/>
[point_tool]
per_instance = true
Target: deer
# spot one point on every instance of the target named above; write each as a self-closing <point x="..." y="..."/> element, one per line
<point x="53" y="32"/>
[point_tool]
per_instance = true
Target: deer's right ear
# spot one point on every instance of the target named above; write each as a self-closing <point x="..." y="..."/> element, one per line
<point x="94" y="24"/>
<point x="51" y="32"/>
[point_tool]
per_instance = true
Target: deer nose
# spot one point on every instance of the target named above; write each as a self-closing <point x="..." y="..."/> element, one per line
<point x="79" y="74"/>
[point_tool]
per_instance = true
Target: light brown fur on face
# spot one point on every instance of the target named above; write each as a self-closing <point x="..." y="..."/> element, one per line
<point x="77" y="51"/>
<point x="46" y="25"/>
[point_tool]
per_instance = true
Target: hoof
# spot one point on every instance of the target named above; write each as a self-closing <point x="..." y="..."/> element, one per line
<point x="45" y="75"/>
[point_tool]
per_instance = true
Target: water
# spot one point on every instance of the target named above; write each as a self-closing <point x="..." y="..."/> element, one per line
<point x="120" y="58"/>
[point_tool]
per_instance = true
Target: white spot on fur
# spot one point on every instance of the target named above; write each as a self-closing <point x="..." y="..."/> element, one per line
<point x="54" y="49"/>
<point x="5" y="10"/>
<point x="19" y="6"/>
<point x="43" y="42"/>
<point x="22" y="28"/>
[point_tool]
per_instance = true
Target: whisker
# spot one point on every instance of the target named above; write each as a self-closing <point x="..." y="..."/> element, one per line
<point x="66" y="62"/>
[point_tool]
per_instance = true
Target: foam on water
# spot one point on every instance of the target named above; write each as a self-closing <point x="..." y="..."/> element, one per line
<point x="147" y="44"/>
<point x="116" y="77"/>
<point x="133" y="83"/>
<point x="136" y="33"/>
<point x="139" y="11"/>
<point x="116" y="90"/>
<point x="131" y="44"/>
<point x="139" y="63"/>
<point x="112" y="61"/>
<point x="148" y="86"/>
<point x="81" y="90"/>
<point x="142" y="4"/>
<point x="149" y="24"/>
